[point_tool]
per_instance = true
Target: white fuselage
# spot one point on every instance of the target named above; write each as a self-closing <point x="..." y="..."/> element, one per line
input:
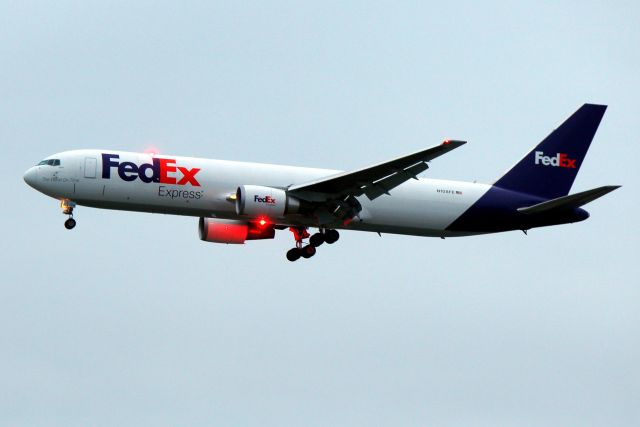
<point x="423" y="207"/>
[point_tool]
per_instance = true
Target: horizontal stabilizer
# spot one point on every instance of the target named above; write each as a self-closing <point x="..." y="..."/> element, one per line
<point x="569" y="202"/>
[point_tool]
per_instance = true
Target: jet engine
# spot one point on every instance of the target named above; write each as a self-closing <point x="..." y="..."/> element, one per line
<point x="259" y="201"/>
<point x="232" y="231"/>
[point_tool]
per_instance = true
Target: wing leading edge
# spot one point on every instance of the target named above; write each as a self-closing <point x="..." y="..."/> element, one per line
<point x="375" y="180"/>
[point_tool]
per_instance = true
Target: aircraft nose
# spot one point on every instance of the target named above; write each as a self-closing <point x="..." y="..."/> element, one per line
<point x="31" y="176"/>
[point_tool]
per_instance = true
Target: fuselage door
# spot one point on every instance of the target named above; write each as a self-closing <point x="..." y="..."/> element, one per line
<point x="90" y="165"/>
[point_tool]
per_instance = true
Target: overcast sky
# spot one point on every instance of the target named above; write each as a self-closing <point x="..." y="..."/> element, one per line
<point x="130" y="320"/>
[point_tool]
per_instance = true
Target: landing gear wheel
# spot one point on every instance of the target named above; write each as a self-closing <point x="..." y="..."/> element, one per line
<point x="67" y="209"/>
<point x="70" y="223"/>
<point x="308" y="251"/>
<point x="331" y="236"/>
<point x="299" y="234"/>
<point x="293" y="254"/>
<point x="317" y="239"/>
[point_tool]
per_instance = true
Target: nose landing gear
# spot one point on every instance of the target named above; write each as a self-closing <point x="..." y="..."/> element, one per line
<point x="301" y="233"/>
<point x="67" y="209"/>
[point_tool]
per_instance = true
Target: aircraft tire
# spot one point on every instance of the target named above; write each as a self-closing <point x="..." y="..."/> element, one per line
<point x="331" y="236"/>
<point x="308" y="251"/>
<point x="293" y="254"/>
<point x="70" y="223"/>
<point x="316" y="240"/>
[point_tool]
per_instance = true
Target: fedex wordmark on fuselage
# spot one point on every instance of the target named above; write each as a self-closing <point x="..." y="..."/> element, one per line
<point x="240" y="201"/>
<point x="161" y="170"/>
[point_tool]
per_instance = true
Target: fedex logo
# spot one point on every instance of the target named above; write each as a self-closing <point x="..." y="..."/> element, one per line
<point x="160" y="170"/>
<point x="266" y="200"/>
<point x="560" y="160"/>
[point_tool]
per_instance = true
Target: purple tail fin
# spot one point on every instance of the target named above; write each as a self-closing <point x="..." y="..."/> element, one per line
<point x="551" y="167"/>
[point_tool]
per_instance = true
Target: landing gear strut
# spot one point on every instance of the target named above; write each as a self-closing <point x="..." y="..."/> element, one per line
<point x="67" y="209"/>
<point x="301" y="233"/>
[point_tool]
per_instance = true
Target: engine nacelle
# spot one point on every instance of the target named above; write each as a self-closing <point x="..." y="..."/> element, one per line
<point x="256" y="201"/>
<point x="232" y="231"/>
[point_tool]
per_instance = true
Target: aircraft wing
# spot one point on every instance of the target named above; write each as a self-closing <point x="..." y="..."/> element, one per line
<point x="376" y="180"/>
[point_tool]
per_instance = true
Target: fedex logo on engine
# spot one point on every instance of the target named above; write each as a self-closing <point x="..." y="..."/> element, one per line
<point x="160" y="170"/>
<point x="268" y="200"/>
<point x="560" y="160"/>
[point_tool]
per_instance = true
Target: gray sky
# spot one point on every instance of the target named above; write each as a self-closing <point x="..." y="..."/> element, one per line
<point x="131" y="320"/>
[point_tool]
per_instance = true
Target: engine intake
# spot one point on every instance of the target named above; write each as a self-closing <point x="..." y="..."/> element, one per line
<point x="257" y="201"/>
<point x="232" y="231"/>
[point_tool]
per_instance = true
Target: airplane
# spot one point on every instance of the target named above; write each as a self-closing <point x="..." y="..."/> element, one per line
<point x="239" y="201"/>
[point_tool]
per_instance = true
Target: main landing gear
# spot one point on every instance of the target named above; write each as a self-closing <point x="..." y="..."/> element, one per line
<point x="309" y="250"/>
<point x="67" y="209"/>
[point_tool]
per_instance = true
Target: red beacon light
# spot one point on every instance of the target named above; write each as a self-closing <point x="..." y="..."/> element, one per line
<point x="260" y="228"/>
<point x="263" y="222"/>
<point x="152" y="151"/>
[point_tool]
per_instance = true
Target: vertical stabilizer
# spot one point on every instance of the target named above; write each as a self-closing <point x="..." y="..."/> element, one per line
<point x="551" y="167"/>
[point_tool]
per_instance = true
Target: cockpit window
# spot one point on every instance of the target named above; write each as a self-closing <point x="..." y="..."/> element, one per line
<point x="49" y="162"/>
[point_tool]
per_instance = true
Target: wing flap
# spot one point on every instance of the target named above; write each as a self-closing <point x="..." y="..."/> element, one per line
<point x="384" y="185"/>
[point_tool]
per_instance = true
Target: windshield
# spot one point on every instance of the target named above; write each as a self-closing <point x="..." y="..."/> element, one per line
<point x="49" y="162"/>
